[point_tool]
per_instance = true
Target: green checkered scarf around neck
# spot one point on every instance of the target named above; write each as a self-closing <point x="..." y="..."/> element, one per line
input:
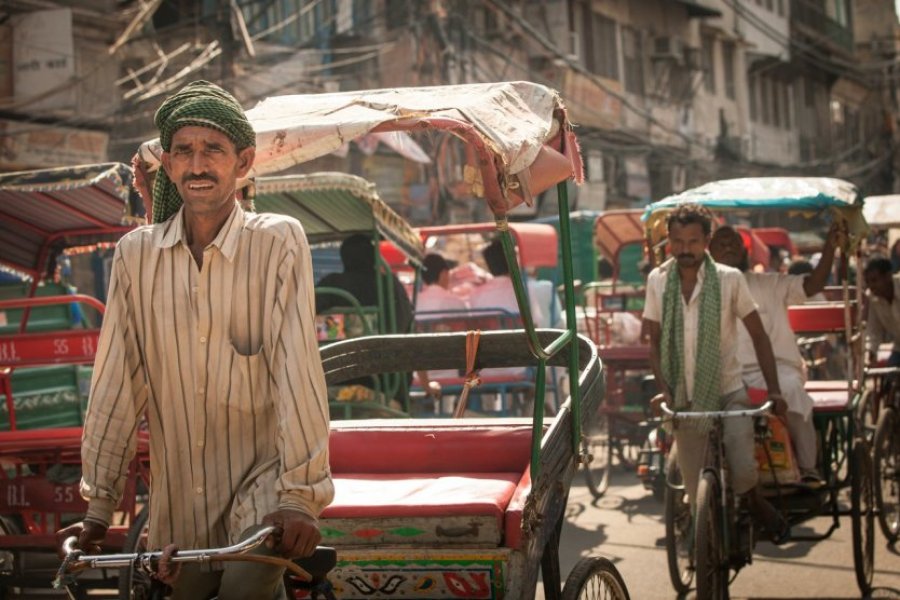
<point x="707" y="384"/>
<point x="202" y="104"/>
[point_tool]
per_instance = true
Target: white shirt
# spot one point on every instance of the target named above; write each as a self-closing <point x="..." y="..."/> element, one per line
<point x="773" y="293"/>
<point x="545" y="296"/>
<point x="884" y="319"/>
<point x="434" y="298"/>
<point x="224" y="361"/>
<point x="498" y="293"/>
<point x="737" y="303"/>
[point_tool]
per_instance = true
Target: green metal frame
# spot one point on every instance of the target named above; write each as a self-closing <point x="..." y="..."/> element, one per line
<point x="569" y="337"/>
<point x="386" y="317"/>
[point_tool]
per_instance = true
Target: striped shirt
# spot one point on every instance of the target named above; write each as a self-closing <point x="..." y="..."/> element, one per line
<point x="223" y="361"/>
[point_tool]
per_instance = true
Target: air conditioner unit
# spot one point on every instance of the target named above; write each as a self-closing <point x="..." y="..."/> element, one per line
<point x="667" y="48"/>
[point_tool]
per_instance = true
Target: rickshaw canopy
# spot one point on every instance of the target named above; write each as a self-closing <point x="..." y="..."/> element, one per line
<point x="519" y="131"/>
<point x="614" y="229"/>
<point x="46" y="211"/>
<point x="536" y="242"/>
<point x="801" y="195"/>
<point x="882" y="211"/>
<point x="333" y="206"/>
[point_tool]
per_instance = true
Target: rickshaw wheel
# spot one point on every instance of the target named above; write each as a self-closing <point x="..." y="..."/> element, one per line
<point x="598" y="446"/>
<point x="887" y="473"/>
<point x="595" y="578"/>
<point x="711" y="568"/>
<point x="132" y="584"/>
<point x="862" y="498"/>
<point x="865" y="413"/>
<point x="679" y="528"/>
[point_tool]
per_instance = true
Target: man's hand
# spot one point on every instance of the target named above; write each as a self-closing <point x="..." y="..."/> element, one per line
<point x="142" y="185"/>
<point x="167" y="571"/>
<point x="779" y="406"/>
<point x="296" y="533"/>
<point x="656" y="402"/>
<point x="90" y="536"/>
<point x="836" y="234"/>
<point x="433" y="390"/>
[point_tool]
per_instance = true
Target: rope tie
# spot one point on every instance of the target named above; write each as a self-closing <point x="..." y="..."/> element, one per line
<point x="472" y="378"/>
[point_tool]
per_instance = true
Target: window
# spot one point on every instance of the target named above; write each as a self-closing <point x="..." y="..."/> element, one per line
<point x="601" y="54"/>
<point x="632" y="57"/>
<point x="786" y="105"/>
<point x="780" y="8"/>
<point x="765" y="100"/>
<point x="707" y="64"/>
<point x="776" y="103"/>
<point x="753" y="93"/>
<point x="728" y="69"/>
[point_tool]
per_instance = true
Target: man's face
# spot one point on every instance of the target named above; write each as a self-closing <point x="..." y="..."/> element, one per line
<point x="687" y="244"/>
<point x="727" y="248"/>
<point x="880" y="284"/>
<point x="204" y="165"/>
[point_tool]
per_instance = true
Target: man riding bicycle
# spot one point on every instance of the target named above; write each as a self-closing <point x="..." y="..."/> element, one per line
<point x="691" y="313"/>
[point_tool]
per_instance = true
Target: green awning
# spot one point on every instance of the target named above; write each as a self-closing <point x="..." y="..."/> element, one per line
<point x="333" y="206"/>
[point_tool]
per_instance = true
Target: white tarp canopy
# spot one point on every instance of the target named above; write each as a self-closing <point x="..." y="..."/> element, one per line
<point x="507" y="122"/>
<point x="882" y="211"/>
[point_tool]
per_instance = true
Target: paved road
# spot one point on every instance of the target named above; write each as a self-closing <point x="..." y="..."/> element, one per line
<point x="627" y="527"/>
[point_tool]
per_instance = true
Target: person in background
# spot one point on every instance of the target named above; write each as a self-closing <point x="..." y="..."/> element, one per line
<point x="773" y="293"/>
<point x="434" y="298"/>
<point x="895" y="257"/>
<point x="883" y="325"/>
<point x="498" y="292"/>
<point x="692" y="311"/>
<point x="435" y="295"/>
<point x="209" y="332"/>
<point x="358" y="279"/>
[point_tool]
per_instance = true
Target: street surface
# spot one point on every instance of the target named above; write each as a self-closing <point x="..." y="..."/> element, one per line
<point x="627" y="527"/>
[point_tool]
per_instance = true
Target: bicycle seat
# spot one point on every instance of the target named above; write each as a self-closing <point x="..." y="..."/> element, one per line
<point x="321" y="562"/>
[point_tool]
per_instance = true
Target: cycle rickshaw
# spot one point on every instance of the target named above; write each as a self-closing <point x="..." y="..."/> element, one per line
<point x="883" y="212"/>
<point x="442" y="508"/>
<point x="48" y="340"/>
<point x="333" y="207"/>
<point x="711" y="546"/>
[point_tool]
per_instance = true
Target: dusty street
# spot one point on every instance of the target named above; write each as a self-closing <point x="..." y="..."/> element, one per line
<point x="627" y="527"/>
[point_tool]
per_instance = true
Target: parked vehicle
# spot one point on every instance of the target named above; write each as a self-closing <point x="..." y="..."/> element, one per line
<point x="46" y="355"/>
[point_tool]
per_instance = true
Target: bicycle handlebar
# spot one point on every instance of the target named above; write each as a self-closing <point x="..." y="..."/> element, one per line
<point x="76" y="561"/>
<point x="715" y="414"/>
<point x="96" y="561"/>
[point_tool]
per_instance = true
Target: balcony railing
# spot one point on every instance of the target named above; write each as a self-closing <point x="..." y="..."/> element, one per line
<point x="812" y="15"/>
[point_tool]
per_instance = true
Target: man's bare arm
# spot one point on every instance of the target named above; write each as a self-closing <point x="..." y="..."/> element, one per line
<point x="815" y="281"/>
<point x="654" y="332"/>
<point x="766" y="359"/>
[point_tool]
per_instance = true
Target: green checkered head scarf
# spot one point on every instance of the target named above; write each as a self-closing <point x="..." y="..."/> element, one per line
<point x="201" y="104"/>
<point x="707" y="384"/>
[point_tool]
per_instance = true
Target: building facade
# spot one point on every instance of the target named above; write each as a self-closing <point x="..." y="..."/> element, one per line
<point x="666" y="93"/>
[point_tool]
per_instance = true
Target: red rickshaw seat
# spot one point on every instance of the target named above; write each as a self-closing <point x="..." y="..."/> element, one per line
<point x="422" y="471"/>
<point x="830" y="401"/>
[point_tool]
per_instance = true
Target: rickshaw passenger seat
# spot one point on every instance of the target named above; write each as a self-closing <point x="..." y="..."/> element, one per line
<point x="459" y="483"/>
